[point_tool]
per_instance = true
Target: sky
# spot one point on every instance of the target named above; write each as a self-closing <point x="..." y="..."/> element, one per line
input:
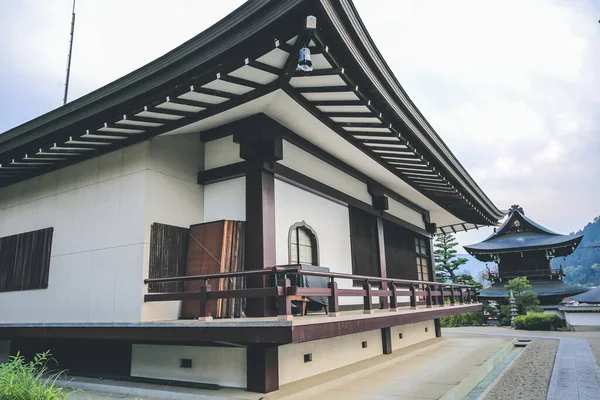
<point x="512" y="87"/>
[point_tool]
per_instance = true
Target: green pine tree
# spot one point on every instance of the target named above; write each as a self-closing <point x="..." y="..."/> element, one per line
<point x="446" y="262"/>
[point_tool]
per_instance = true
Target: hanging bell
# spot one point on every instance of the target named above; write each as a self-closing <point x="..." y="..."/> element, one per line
<point x="304" y="61"/>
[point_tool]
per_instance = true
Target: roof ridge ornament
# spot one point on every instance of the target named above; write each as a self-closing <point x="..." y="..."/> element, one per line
<point x="516" y="207"/>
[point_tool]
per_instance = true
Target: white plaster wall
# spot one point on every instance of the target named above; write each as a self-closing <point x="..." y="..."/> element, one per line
<point x="583" y="320"/>
<point x="560" y="314"/>
<point x="331" y="222"/>
<point x="313" y="167"/>
<point x="225" y="200"/>
<point x="411" y="334"/>
<point x="221" y="152"/>
<point x="327" y="354"/>
<point x="404" y="213"/>
<point x="101" y="211"/>
<point x="173" y="198"/>
<point x="4" y="350"/>
<point x="224" y="366"/>
<point x="97" y="209"/>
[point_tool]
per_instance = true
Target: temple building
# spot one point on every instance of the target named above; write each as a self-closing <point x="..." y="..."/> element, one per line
<point x="251" y="209"/>
<point x="522" y="247"/>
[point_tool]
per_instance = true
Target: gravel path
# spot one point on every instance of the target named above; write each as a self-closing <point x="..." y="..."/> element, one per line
<point x="529" y="375"/>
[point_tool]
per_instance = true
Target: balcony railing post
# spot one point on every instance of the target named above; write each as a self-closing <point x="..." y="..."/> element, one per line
<point x="442" y="299"/>
<point x="452" y="296"/>
<point x="469" y="298"/>
<point x="204" y="312"/>
<point x="428" y="289"/>
<point x="413" y="297"/>
<point x="475" y="297"/>
<point x="461" y="295"/>
<point x="393" y="297"/>
<point x="334" y="306"/>
<point x="368" y="299"/>
<point x="284" y="312"/>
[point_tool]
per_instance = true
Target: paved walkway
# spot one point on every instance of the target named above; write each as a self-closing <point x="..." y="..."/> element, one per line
<point x="429" y="373"/>
<point x="575" y="376"/>
<point x="575" y="371"/>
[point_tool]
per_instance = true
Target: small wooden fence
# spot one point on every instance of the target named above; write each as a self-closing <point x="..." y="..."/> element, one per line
<point x="434" y="293"/>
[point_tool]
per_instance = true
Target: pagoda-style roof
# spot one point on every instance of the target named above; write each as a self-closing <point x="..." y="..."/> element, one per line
<point x="521" y="234"/>
<point x="556" y="288"/>
<point x="591" y="296"/>
<point x="350" y="105"/>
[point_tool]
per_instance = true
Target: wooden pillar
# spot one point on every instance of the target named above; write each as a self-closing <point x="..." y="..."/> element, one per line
<point x="438" y="327"/>
<point x="261" y="149"/>
<point x="262" y="368"/>
<point x="386" y="340"/>
<point x="379" y="201"/>
<point x="383" y="300"/>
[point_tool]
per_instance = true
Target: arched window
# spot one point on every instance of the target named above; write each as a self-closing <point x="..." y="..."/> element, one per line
<point x="303" y="245"/>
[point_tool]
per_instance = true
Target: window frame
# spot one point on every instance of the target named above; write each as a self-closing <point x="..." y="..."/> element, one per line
<point x="314" y="242"/>
<point x="25" y="260"/>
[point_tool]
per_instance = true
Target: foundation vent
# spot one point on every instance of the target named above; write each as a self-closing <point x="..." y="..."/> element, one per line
<point x="185" y="363"/>
<point x="401" y="336"/>
<point x="308" y="357"/>
<point x="364" y="345"/>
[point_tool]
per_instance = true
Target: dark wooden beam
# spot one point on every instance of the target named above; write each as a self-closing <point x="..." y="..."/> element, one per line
<point x="213" y="92"/>
<point x="386" y="340"/>
<point x="340" y="103"/>
<point x="318" y="72"/>
<point x="223" y="173"/>
<point x="264" y="67"/>
<point x="262" y="368"/>
<point x="186" y="102"/>
<point x="240" y="81"/>
<point x="325" y="89"/>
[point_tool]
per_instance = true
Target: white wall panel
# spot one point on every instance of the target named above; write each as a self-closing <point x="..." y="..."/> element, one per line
<point x="225" y="366"/>
<point x="330" y="221"/>
<point x="399" y="210"/>
<point x="313" y="167"/>
<point x="101" y="211"/>
<point x="225" y="200"/>
<point x="220" y="152"/>
<point x="327" y="354"/>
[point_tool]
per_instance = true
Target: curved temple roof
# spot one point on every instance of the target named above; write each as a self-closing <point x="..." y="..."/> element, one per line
<point x="519" y="233"/>
<point x="541" y="289"/>
<point x="245" y="56"/>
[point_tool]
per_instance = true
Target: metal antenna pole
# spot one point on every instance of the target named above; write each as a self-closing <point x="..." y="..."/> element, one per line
<point x="70" y="55"/>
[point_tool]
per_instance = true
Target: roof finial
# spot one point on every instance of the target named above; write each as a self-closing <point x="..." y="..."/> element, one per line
<point x="516" y="207"/>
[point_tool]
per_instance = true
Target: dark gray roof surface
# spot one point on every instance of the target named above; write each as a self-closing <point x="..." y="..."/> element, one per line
<point x="545" y="288"/>
<point x="591" y="296"/>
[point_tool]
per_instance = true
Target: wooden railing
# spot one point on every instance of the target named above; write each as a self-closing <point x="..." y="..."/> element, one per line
<point x="434" y="293"/>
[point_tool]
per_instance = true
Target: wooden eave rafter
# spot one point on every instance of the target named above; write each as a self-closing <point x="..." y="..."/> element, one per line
<point x="201" y="78"/>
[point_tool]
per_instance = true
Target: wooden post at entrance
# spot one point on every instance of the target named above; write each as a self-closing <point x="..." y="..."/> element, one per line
<point x="261" y="149"/>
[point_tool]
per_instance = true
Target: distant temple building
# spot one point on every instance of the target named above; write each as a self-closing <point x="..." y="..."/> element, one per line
<point x="521" y="247"/>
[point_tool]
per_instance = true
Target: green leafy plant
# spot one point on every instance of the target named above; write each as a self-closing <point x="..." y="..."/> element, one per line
<point x="20" y="380"/>
<point x="467" y="319"/>
<point x="539" y="322"/>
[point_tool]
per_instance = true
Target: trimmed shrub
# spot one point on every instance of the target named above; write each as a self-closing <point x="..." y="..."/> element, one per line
<point x="29" y="381"/>
<point x="539" y="322"/>
<point x="467" y="319"/>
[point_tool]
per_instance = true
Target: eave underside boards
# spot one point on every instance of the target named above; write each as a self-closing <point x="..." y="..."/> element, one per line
<point x="362" y="50"/>
<point x="332" y="96"/>
<point x="244" y="66"/>
<point x="249" y="72"/>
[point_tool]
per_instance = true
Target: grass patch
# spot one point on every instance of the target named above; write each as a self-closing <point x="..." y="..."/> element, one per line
<point x="20" y="380"/>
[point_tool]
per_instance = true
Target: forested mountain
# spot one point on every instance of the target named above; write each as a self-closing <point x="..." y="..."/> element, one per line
<point x="583" y="266"/>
